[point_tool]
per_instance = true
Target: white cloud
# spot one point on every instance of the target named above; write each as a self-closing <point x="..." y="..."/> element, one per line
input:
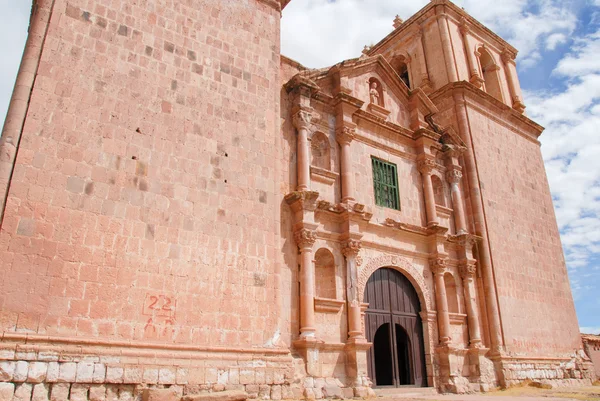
<point x="320" y="33"/>
<point x="590" y="330"/>
<point x="554" y="40"/>
<point x="571" y="148"/>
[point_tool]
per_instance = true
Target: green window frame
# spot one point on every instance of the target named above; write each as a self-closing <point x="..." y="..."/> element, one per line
<point x="385" y="183"/>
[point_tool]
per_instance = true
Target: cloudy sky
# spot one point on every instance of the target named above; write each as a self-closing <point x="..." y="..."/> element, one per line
<point x="559" y="67"/>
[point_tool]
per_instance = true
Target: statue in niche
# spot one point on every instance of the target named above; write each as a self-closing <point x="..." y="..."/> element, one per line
<point x="374" y="93"/>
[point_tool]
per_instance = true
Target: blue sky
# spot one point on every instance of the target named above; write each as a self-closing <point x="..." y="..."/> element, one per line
<point x="559" y="68"/>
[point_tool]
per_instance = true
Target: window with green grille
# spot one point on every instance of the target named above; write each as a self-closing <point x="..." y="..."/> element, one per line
<point x="385" y="181"/>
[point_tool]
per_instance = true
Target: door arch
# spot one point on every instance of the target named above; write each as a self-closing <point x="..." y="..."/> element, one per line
<point x="393" y="324"/>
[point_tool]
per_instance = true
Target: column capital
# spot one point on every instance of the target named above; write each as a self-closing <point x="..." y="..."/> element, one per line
<point x="351" y="248"/>
<point x="464" y="26"/>
<point x="507" y="56"/>
<point x="302" y="119"/>
<point x="467" y="268"/>
<point x="438" y="265"/>
<point x="426" y="165"/>
<point x="305" y="238"/>
<point x="454" y="175"/>
<point x="345" y="135"/>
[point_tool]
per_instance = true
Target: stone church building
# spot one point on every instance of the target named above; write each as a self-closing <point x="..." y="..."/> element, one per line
<point x="185" y="208"/>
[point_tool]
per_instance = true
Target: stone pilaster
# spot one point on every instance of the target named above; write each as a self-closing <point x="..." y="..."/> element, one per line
<point x="305" y="240"/>
<point x="467" y="270"/>
<point x="474" y="76"/>
<point x="345" y="136"/>
<point x="454" y="176"/>
<point x="438" y="268"/>
<point x="422" y="57"/>
<point x="426" y="166"/>
<point x="510" y="69"/>
<point x="442" y="20"/>
<point x="302" y="120"/>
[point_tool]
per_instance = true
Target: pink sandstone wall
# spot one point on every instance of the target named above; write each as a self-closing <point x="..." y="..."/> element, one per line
<point x="593" y="351"/>
<point x="536" y="306"/>
<point x="144" y="203"/>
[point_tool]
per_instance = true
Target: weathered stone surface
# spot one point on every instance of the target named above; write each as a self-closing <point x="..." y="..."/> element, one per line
<point x="98" y="392"/>
<point x="219" y="396"/>
<point x="59" y="392"/>
<point x="333" y="391"/>
<point x="23" y="392"/>
<point x="41" y="392"/>
<point x="159" y="395"/>
<point x="172" y="168"/>
<point x="7" y="370"/>
<point x="6" y="391"/>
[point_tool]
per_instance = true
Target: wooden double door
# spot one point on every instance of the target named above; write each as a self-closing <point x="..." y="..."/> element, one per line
<point x="393" y="325"/>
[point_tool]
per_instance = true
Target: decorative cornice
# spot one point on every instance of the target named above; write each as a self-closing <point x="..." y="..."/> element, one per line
<point x="502" y="113"/>
<point x="276" y="4"/>
<point x="302" y="200"/>
<point x="305" y="238"/>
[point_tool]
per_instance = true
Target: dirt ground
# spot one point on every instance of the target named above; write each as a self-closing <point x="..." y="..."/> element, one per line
<point x="591" y="393"/>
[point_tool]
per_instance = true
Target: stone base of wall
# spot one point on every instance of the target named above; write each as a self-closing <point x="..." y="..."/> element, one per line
<point x="95" y="371"/>
<point x="565" y="372"/>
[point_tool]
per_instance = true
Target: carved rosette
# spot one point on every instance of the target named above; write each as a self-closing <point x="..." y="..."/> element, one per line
<point x="426" y="166"/>
<point x="467" y="268"/>
<point x="351" y="248"/>
<point x="305" y="238"/>
<point x="438" y="265"/>
<point x="454" y="176"/>
<point x="302" y="119"/>
<point x="346" y="135"/>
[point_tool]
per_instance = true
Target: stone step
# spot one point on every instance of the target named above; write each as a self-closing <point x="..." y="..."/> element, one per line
<point x="405" y="392"/>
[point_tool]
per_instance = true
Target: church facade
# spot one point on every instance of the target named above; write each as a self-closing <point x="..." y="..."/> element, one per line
<point x="187" y="210"/>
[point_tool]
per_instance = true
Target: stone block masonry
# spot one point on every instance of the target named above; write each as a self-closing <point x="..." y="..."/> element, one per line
<point x="183" y="210"/>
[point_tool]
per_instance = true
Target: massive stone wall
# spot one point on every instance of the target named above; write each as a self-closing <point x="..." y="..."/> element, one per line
<point x="533" y="286"/>
<point x="144" y="207"/>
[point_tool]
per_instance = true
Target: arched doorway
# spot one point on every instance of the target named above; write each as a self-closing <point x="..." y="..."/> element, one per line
<point x="394" y="326"/>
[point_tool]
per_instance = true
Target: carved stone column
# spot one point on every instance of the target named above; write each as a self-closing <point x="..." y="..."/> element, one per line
<point x="426" y="165"/>
<point x="305" y="240"/>
<point x="474" y="76"/>
<point x="467" y="272"/>
<point x="510" y="69"/>
<point x="350" y="249"/>
<point x="442" y="20"/>
<point x="438" y="268"/>
<point x="302" y="120"/>
<point x="454" y="175"/>
<point x="425" y="81"/>
<point x="344" y="137"/>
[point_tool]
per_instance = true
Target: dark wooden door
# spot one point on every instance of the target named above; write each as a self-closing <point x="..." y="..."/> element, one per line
<point x="393" y="316"/>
